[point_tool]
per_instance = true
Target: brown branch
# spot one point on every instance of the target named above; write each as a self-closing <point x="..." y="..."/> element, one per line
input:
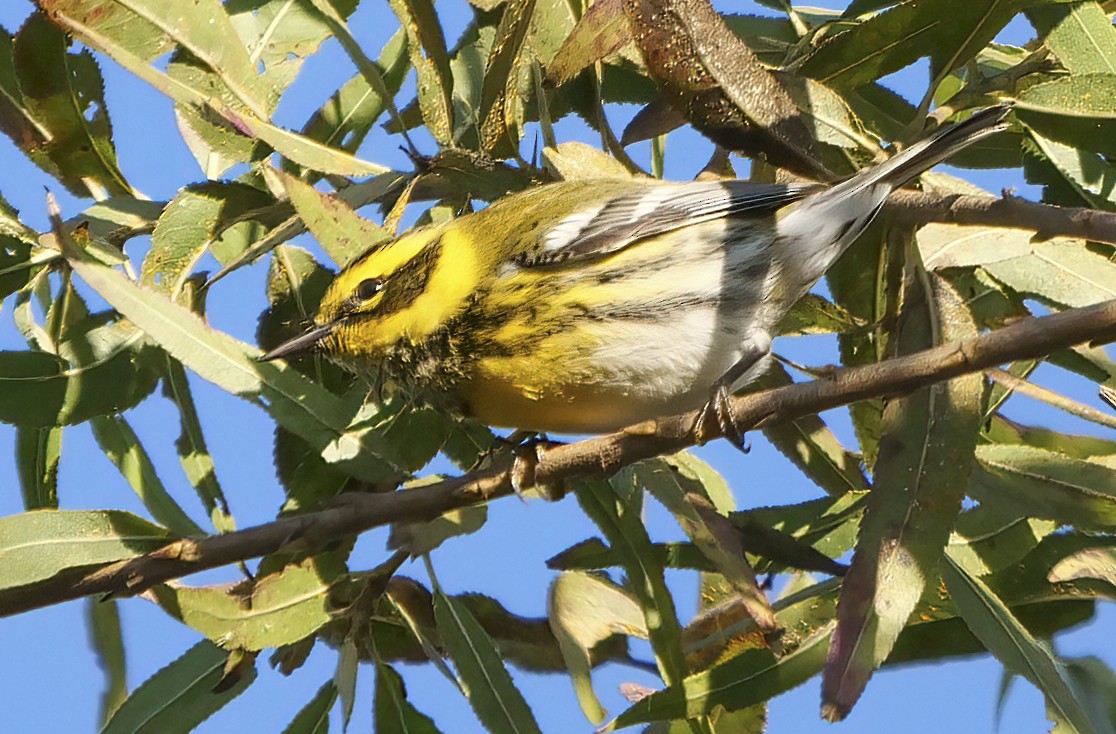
<point x="596" y="457"/>
<point x="918" y="208"/>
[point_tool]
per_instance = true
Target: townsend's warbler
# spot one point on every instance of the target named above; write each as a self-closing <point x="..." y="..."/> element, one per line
<point x="585" y="306"/>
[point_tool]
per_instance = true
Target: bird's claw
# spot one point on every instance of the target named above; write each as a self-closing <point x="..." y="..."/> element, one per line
<point x="522" y="475"/>
<point x="719" y="409"/>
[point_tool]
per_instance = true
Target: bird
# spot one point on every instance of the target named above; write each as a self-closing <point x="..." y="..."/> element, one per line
<point x="589" y="305"/>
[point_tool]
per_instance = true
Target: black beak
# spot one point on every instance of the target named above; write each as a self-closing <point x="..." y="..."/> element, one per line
<point x="300" y="343"/>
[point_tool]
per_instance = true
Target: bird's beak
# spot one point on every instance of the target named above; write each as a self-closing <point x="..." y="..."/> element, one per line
<point x="300" y="343"/>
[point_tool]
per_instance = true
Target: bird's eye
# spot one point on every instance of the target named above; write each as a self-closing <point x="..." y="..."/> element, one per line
<point x="368" y="288"/>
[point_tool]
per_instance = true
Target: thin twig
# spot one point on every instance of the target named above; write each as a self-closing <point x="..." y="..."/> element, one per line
<point x="1031" y="390"/>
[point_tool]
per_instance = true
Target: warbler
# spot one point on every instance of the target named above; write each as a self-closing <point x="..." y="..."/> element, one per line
<point x="585" y="306"/>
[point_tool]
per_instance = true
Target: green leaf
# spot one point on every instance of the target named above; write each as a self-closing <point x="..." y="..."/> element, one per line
<point x="467" y="62"/>
<point x="193" y="454"/>
<point x="421" y="538"/>
<point x="1047" y="484"/>
<point x="993" y="536"/>
<point x="1090" y="96"/>
<point x="355" y="196"/>
<point x="1089" y="174"/>
<point x="347" y="116"/>
<point x="1089" y="448"/>
<point x="54" y="110"/>
<point x="752" y="720"/>
<point x="295" y="285"/>
<point x="679" y="482"/>
<point x="1094" y="685"/>
<point x="277" y="609"/>
<point x="613" y="507"/>
<point x="281" y="35"/>
<point x="813" y="314"/>
<point x="1088" y="563"/>
<point x="38" y="451"/>
<point x="468" y="442"/>
<point x="345" y="679"/>
<point x="592" y="554"/>
<point x="995" y="626"/>
<point x="201" y="217"/>
<point x="370" y="72"/>
<point x="706" y="71"/>
<point x="501" y="112"/>
<point x="415" y="607"/>
<point x="770" y="39"/>
<point x="107" y="641"/>
<point x="1029" y="580"/>
<point x="952" y="246"/>
<point x="123" y="448"/>
<point x="861" y="282"/>
<point x="101" y="372"/>
<point x="313" y="718"/>
<point x="480" y="670"/>
<point x="427" y="46"/>
<point x="913" y="505"/>
<point x="813" y="448"/>
<point x="392" y="713"/>
<point x="950" y="34"/>
<point x="827" y="525"/>
<point x="882" y="111"/>
<point x="108" y="32"/>
<point x="1080" y="34"/>
<point x="201" y="27"/>
<point x="573" y="160"/>
<point x="17" y="264"/>
<point x="180" y="696"/>
<point x="754" y="676"/>
<point x="551" y="23"/>
<point x="296" y="403"/>
<point x="461" y="170"/>
<point x="583" y="610"/>
<point x="827" y="115"/>
<point x="115" y="220"/>
<point x="834" y="530"/>
<point x="1059" y="272"/>
<point x="602" y="31"/>
<point x="37" y="545"/>
<point x="341" y="232"/>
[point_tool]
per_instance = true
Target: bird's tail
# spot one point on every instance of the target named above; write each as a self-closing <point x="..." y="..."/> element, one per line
<point x="925" y="154"/>
<point x="823" y="226"/>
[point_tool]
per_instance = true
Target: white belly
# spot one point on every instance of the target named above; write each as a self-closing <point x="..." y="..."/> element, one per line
<point x="669" y="367"/>
<point x="676" y="329"/>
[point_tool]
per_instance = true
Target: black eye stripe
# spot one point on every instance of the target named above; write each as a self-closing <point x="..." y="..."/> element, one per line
<point x="410" y="280"/>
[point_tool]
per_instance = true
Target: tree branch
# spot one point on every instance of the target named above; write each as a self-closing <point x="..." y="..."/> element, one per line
<point x="917" y="208"/>
<point x="596" y="457"/>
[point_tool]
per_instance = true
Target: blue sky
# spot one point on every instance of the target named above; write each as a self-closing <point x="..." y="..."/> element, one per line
<point x="51" y="679"/>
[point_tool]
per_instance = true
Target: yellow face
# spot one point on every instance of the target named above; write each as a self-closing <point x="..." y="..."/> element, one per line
<point x="407" y="289"/>
<point x="402" y="291"/>
<point x="367" y="294"/>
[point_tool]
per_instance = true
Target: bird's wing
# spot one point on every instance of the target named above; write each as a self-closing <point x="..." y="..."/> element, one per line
<point x="622" y="220"/>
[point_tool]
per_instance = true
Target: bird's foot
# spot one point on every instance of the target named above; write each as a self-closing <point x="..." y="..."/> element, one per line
<point x="719" y="409"/>
<point x="523" y="476"/>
